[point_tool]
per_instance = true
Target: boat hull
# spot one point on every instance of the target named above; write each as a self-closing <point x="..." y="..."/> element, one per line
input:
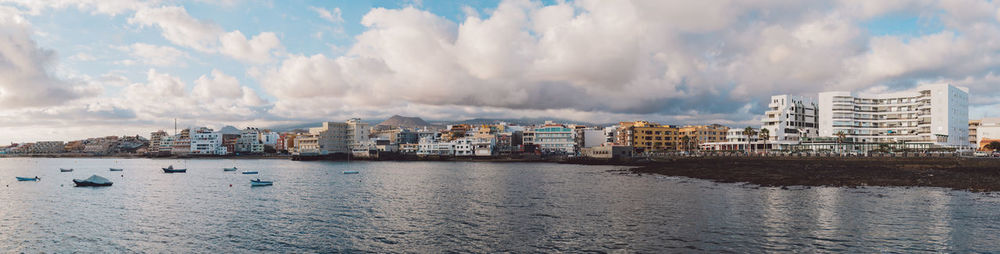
<point x="171" y="171"/>
<point x="255" y="183"/>
<point x="350" y="172"/>
<point x="90" y="184"/>
<point x="115" y="169"/>
<point x="65" y="170"/>
<point x="25" y="179"/>
<point x="229" y="169"/>
<point x="250" y="172"/>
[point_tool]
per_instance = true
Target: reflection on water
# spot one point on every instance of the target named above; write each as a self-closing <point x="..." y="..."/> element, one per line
<point x="481" y="207"/>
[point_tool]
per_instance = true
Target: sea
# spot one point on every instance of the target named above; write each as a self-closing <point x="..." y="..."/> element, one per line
<point x="433" y="207"/>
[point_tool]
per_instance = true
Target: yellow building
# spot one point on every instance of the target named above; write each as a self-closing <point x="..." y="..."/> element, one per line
<point x="648" y="137"/>
<point x="701" y="134"/>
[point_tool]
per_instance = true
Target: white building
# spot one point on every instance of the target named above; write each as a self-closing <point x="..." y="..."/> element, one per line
<point x="357" y="133"/>
<point x="935" y="114"/>
<point x="789" y="118"/>
<point x="268" y="138"/>
<point x="207" y="141"/>
<point x="431" y="146"/>
<point x="551" y="138"/>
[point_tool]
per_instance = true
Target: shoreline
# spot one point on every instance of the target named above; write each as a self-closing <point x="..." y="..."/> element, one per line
<point x="969" y="174"/>
<point x="957" y="173"/>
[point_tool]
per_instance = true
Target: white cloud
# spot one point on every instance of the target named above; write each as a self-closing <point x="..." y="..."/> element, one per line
<point x="256" y="50"/>
<point x="156" y="55"/>
<point x="332" y="16"/>
<point x="25" y="68"/>
<point x="179" y="28"/>
<point x="108" y="7"/>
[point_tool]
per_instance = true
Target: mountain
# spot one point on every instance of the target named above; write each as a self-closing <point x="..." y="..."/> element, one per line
<point x="229" y="130"/>
<point x="522" y="121"/>
<point x="406" y="122"/>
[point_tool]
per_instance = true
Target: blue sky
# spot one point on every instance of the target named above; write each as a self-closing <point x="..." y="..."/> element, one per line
<point x="130" y="67"/>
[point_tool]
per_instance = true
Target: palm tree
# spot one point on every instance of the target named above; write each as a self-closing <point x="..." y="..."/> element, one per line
<point x="841" y="136"/>
<point x="765" y="135"/>
<point x="749" y="132"/>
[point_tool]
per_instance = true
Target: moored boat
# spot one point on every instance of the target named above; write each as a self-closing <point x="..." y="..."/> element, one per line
<point x="115" y="169"/>
<point x="23" y="179"/>
<point x="350" y="172"/>
<point x="65" y="170"/>
<point x="94" y="180"/>
<point x="229" y="169"/>
<point x="259" y="182"/>
<point x="171" y="169"/>
<point x="249" y="172"/>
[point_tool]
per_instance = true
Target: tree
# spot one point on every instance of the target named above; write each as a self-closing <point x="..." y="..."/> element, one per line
<point x="765" y="135"/>
<point x="749" y="132"/>
<point x="995" y="145"/>
<point x="841" y="136"/>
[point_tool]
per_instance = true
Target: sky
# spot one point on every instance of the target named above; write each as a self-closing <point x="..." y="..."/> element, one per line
<point x="72" y="69"/>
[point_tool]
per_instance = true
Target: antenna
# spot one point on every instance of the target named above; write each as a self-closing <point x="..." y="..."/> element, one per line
<point x="175" y="126"/>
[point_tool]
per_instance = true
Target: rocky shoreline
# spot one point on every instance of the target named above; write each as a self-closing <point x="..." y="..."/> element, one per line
<point x="971" y="174"/>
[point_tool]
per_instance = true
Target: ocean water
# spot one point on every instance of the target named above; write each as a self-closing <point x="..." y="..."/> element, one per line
<point x="464" y="207"/>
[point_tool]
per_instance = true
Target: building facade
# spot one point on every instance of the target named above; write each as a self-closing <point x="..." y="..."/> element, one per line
<point x="935" y="114"/>
<point x="330" y="138"/>
<point x="790" y="118"/>
<point x="645" y="136"/>
<point x="988" y="130"/>
<point x="551" y="138"/>
<point x="205" y="141"/>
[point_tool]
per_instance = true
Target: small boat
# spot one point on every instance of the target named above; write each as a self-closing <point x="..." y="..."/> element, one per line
<point x="115" y="169"/>
<point x="350" y="172"/>
<point x="249" y="172"/>
<point x="94" y="180"/>
<point x="258" y="182"/>
<point x="229" y="169"/>
<point x="65" y="170"/>
<point x="24" y="179"/>
<point x="171" y="169"/>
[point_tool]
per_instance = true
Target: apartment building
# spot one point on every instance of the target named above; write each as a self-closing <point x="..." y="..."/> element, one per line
<point x="551" y="138"/>
<point x="645" y="136"/>
<point x="936" y="114"/>
<point x="790" y="118"/>
<point x="973" y="132"/>
<point x="330" y="138"/>
<point x="206" y="141"/>
<point x="155" y="141"/>
<point x="701" y="134"/>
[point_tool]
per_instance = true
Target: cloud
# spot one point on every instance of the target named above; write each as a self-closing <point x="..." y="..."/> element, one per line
<point x="256" y="50"/>
<point x="155" y="55"/>
<point x="25" y="68"/>
<point x="108" y="7"/>
<point x="666" y="58"/>
<point x="179" y="28"/>
<point x="332" y="16"/>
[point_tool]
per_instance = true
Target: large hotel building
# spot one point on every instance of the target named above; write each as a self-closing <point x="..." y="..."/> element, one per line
<point x="935" y="114"/>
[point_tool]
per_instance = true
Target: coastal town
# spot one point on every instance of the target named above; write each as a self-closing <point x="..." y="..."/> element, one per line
<point x="931" y="118"/>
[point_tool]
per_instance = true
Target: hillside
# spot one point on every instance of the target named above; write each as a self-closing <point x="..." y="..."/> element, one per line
<point x="406" y="122"/>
